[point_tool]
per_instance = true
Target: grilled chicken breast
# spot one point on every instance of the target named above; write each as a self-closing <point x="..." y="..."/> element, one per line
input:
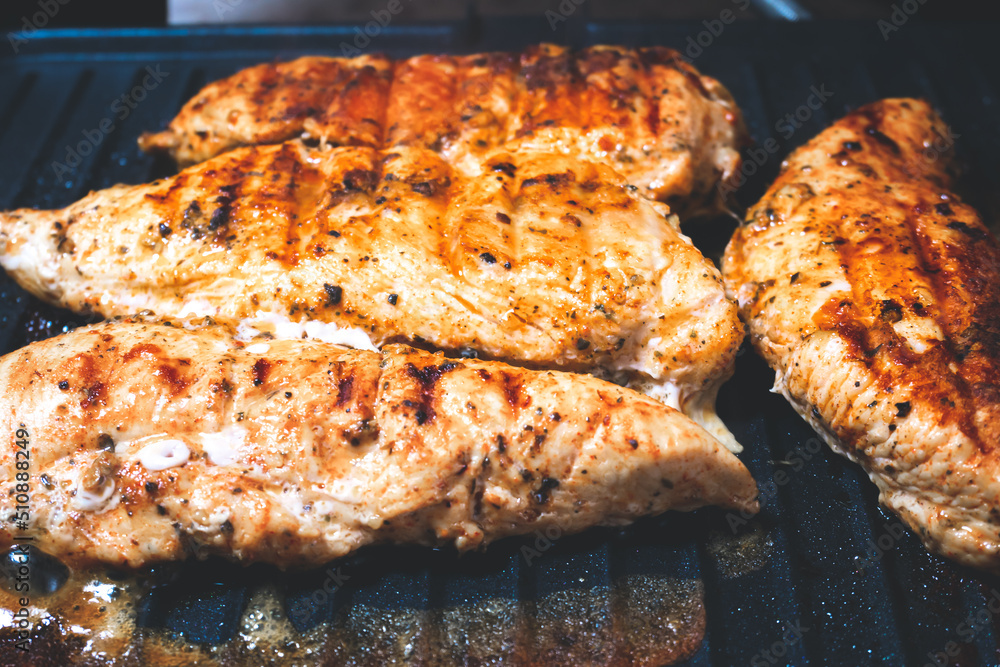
<point x="542" y="260"/>
<point x="875" y="294"/>
<point x="654" y="118"/>
<point x="146" y="442"/>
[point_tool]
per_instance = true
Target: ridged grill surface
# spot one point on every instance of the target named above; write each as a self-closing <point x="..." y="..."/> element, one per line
<point x="817" y="558"/>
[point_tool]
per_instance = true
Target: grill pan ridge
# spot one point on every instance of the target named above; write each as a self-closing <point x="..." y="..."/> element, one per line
<point x="821" y="577"/>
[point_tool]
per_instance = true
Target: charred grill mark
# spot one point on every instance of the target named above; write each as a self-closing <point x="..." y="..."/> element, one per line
<point x="550" y="81"/>
<point x="940" y="283"/>
<point x="477" y="491"/>
<point x="505" y="168"/>
<point x="878" y="136"/>
<point x="191" y="220"/>
<point x="298" y="111"/>
<point x="552" y="180"/>
<point x="261" y="369"/>
<point x="83" y="368"/>
<point x="360" y="180"/>
<point x="659" y="55"/>
<point x="172" y="191"/>
<point x="220" y="216"/>
<point x="427" y="377"/>
<point x="431" y="187"/>
<point x="172" y="378"/>
<point x="548" y="71"/>
<point x="264" y="91"/>
<point x="513" y="390"/>
<point x="97" y="394"/>
<point x="345" y="389"/>
<point x="973" y="233"/>
<point x="652" y="115"/>
<point x="883" y="351"/>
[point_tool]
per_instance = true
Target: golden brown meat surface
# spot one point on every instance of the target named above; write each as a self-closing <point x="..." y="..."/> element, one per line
<point x="542" y="260"/>
<point x="668" y="129"/>
<point x="145" y="442"/>
<point x="875" y="294"/>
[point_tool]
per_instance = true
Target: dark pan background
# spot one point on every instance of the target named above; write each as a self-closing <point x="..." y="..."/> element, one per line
<point x="806" y="560"/>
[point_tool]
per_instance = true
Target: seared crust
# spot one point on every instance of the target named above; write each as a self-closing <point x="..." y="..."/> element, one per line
<point x="297" y="452"/>
<point x="542" y="260"/>
<point x="647" y="113"/>
<point x="875" y="294"/>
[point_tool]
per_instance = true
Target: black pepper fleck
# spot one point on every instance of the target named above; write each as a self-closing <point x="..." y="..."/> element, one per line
<point x="333" y="294"/>
<point x="542" y="494"/>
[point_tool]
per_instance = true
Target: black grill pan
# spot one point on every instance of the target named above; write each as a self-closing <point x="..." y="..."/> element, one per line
<point x="822" y="577"/>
